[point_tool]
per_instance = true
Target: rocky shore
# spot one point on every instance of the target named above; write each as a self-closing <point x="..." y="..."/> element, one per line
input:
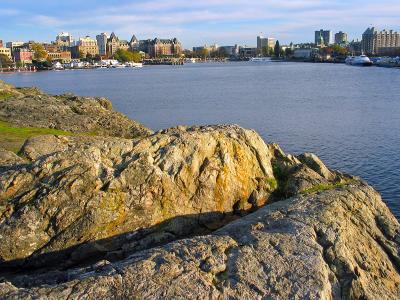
<point x="210" y="212"/>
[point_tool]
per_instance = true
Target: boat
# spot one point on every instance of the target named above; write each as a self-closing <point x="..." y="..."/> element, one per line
<point x="260" y="59"/>
<point x="134" y="65"/>
<point x="190" y="60"/>
<point x="361" y="60"/>
<point x="119" y="66"/>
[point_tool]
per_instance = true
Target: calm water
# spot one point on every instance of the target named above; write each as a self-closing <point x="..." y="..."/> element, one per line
<point x="349" y="116"/>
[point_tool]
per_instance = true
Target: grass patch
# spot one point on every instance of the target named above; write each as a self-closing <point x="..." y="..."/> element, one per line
<point x="12" y="137"/>
<point x="273" y="184"/>
<point x="5" y="95"/>
<point x="325" y="187"/>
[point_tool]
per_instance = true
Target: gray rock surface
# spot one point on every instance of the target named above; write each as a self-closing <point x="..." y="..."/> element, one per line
<point x="337" y="244"/>
<point x="30" y="107"/>
<point x="206" y="212"/>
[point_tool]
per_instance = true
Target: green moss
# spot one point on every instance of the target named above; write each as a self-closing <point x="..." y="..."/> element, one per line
<point x="281" y="180"/>
<point x="325" y="187"/>
<point x="5" y="95"/>
<point x="12" y="137"/>
<point x="273" y="183"/>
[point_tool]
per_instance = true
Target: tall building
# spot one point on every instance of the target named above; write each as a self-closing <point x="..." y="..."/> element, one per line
<point x="341" y="38"/>
<point x="112" y="45"/>
<point x="376" y="42"/>
<point x="323" y="37"/>
<point x="1" y="43"/>
<point x="263" y="42"/>
<point x="102" y="43"/>
<point x="64" y="40"/>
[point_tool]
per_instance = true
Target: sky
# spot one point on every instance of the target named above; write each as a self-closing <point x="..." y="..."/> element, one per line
<point x="195" y="22"/>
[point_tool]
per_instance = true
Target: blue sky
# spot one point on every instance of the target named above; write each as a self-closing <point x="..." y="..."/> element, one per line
<point x="194" y="22"/>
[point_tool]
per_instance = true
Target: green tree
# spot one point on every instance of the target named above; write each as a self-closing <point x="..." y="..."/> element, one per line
<point x="125" y="56"/>
<point x="204" y="53"/>
<point x="5" y="62"/>
<point x="39" y="53"/>
<point x="277" y="49"/>
<point x="97" y="57"/>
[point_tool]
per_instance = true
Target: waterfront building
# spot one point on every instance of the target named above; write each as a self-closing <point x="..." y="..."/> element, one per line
<point x="323" y="37"/>
<point x="1" y="43"/>
<point x="112" y="44"/>
<point x="6" y="52"/>
<point x="102" y="43"/>
<point x="124" y="44"/>
<point x="64" y="40"/>
<point x="305" y="53"/>
<point x="23" y="55"/>
<point x="85" y="46"/>
<point x="62" y="56"/>
<point x="341" y="38"/>
<point x="134" y="44"/>
<point x="247" y="52"/>
<point x="263" y="42"/>
<point x="373" y="40"/>
<point x="230" y="50"/>
<point x="162" y="47"/>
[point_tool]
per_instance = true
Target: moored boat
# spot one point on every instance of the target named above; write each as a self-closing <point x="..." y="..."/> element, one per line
<point x="361" y="60"/>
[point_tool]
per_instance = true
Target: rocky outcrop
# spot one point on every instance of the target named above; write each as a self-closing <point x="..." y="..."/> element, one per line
<point x="30" y="107"/>
<point x="190" y="212"/>
<point x="8" y="158"/>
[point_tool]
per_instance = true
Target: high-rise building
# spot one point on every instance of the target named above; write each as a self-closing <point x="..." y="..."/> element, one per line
<point x="377" y="42"/>
<point x="102" y="43"/>
<point x="1" y="43"/>
<point x="263" y="42"/>
<point x="323" y="37"/>
<point x="341" y="38"/>
<point x="64" y="40"/>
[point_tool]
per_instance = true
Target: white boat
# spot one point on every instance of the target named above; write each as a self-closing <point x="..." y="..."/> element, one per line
<point x="134" y="65"/>
<point x="190" y="60"/>
<point x="119" y="66"/>
<point x="260" y="59"/>
<point x="361" y="60"/>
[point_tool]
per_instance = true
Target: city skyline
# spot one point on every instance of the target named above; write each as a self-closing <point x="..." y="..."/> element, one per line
<point x="207" y="22"/>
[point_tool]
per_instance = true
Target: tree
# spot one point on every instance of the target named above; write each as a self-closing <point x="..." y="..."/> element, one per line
<point x="204" y="53"/>
<point x="277" y="49"/>
<point x="5" y="62"/>
<point x="39" y="53"/>
<point x="125" y="56"/>
<point x="97" y="57"/>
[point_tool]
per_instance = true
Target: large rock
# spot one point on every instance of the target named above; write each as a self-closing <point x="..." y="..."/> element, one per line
<point x="30" y="107"/>
<point x="83" y="189"/>
<point x="337" y="244"/>
<point x="201" y="212"/>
